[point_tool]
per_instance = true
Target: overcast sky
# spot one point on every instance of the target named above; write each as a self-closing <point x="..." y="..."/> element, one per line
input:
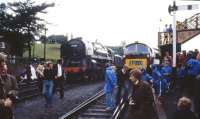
<point x="112" y="21"/>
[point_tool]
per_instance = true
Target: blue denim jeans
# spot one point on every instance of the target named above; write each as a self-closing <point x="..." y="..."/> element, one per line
<point x="109" y="99"/>
<point x="126" y="89"/>
<point x="48" y="91"/>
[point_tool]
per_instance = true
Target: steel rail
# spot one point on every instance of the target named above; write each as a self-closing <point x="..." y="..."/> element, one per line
<point x="74" y="111"/>
<point x="118" y="110"/>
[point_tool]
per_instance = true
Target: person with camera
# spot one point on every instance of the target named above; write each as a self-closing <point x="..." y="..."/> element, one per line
<point x="8" y="87"/>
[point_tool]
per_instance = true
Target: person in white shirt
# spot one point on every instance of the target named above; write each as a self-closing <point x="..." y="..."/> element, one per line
<point x="30" y="73"/>
<point x="33" y="72"/>
<point x="59" y="79"/>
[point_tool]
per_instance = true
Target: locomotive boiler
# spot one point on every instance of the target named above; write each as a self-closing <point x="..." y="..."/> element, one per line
<point x="84" y="59"/>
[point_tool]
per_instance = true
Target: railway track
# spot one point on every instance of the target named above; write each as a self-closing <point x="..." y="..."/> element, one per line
<point x="31" y="89"/>
<point x="28" y="90"/>
<point x="92" y="108"/>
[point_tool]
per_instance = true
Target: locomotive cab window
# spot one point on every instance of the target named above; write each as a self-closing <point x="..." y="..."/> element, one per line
<point x="136" y="49"/>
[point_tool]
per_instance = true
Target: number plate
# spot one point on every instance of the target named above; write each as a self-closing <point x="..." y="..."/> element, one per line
<point x="136" y="63"/>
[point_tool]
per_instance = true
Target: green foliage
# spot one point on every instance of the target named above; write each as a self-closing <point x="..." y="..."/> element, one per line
<point x="20" y="18"/>
<point x="26" y="20"/>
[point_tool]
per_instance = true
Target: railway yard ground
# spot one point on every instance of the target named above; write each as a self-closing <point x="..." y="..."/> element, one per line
<point x="75" y="94"/>
<point x="34" y="108"/>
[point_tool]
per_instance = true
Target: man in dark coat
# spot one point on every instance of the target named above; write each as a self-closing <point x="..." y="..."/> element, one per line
<point x="59" y="78"/>
<point x="141" y="100"/>
<point x="8" y="91"/>
<point x="122" y="78"/>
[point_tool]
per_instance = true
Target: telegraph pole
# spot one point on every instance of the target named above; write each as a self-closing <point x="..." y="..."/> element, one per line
<point x="174" y="33"/>
<point x="34" y="49"/>
<point x="45" y="41"/>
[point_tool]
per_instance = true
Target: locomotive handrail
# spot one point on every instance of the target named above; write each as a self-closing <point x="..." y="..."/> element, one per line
<point x="82" y="105"/>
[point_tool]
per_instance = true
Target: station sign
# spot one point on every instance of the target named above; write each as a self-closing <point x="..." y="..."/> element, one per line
<point x="165" y="38"/>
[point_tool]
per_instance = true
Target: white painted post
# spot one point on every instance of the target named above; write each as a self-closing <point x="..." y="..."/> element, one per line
<point x="174" y="38"/>
<point x="173" y="9"/>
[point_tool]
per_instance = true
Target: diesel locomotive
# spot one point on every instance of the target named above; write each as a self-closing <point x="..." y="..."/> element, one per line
<point x="138" y="55"/>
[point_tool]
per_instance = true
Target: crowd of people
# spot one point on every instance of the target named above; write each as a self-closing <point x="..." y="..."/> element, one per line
<point x="141" y="88"/>
<point x="50" y="77"/>
<point x="138" y="87"/>
<point x="136" y="92"/>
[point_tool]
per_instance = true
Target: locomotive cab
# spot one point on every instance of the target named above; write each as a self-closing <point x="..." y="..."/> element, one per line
<point x="138" y="55"/>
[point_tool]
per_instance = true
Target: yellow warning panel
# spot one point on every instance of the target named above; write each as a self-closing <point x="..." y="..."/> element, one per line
<point x="136" y="63"/>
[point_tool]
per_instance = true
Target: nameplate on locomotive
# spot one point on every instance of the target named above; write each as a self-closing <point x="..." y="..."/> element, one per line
<point x="136" y="63"/>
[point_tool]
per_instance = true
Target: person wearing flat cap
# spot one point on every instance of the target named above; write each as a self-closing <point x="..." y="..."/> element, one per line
<point x="141" y="100"/>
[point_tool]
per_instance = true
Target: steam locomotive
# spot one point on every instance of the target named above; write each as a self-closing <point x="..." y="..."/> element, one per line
<point x="84" y="59"/>
<point x="138" y="55"/>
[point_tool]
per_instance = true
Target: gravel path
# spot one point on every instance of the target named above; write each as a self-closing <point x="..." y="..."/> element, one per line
<point x="34" y="108"/>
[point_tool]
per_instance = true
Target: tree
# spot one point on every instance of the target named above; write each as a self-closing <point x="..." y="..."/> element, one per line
<point x="24" y="21"/>
<point x="6" y="25"/>
<point x="6" y="19"/>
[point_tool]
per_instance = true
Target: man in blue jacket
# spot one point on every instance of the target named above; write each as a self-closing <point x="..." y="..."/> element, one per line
<point x="156" y="72"/>
<point x="146" y="77"/>
<point x="110" y="83"/>
<point x="159" y="83"/>
<point x="166" y="71"/>
<point x="192" y="69"/>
